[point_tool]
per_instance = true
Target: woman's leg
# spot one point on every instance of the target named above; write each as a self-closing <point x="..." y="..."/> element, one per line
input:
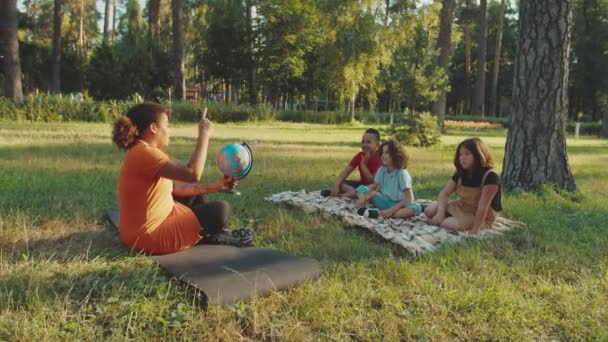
<point x="212" y="216"/>
<point x="191" y="201"/>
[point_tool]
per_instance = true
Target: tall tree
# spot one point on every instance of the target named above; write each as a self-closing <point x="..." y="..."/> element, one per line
<point x="57" y="16"/>
<point x="494" y="110"/>
<point x="106" y="20"/>
<point x="444" y="43"/>
<point x="178" y="50"/>
<point x="9" y="50"/>
<point x="154" y="21"/>
<point x="536" y="143"/>
<point x="467" y="57"/>
<point x="479" y="99"/>
<point x="252" y="67"/>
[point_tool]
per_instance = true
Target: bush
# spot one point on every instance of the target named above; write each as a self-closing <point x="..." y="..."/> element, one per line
<point x="415" y="129"/>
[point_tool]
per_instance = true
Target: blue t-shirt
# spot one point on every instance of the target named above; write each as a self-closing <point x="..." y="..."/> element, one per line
<point x="393" y="184"/>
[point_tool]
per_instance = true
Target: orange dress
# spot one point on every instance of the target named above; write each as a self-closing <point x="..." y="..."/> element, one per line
<point x="150" y="220"/>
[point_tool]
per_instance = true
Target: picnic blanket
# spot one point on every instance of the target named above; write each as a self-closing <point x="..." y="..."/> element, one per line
<point x="414" y="234"/>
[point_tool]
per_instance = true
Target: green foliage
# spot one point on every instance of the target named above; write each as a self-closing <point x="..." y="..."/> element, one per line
<point x="415" y="129"/>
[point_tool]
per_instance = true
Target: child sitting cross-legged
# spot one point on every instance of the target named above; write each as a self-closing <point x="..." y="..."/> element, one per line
<point x="391" y="193"/>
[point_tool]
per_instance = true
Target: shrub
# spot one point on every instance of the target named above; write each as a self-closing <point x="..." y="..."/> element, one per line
<point x="415" y="129"/>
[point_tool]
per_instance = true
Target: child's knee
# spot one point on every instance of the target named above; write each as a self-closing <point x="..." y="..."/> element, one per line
<point x="415" y="207"/>
<point x="362" y="189"/>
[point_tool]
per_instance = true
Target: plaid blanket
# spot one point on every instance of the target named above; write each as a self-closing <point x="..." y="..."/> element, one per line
<point x="414" y="234"/>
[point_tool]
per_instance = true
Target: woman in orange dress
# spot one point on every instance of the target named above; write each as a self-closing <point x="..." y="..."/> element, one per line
<point x="152" y="187"/>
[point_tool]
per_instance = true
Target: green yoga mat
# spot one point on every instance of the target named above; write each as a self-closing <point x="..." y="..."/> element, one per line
<point x="227" y="274"/>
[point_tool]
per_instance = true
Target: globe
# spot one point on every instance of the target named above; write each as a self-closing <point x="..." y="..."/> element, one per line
<point x="235" y="160"/>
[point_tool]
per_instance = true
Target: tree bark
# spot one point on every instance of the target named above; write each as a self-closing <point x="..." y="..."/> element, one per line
<point x="81" y="28"/>
<point x="605" y="124"/>
<point x="106" y="21"/>
<point x="494" y="110"/>
<point x="253" y="90"/>
<point x="178" y="50"/>
<point x="535" y="152"/>
<point x="114" y="14"/>
<point x="480" y="84"/>
<point x="467" y="58"/>
<point x="154" y="21"/>
<point x="444" y="43"/>
<point x="56" y="78"/>
<point x="9" y="49"/>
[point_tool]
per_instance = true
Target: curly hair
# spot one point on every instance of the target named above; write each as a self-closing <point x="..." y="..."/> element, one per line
<point x="139" y="117"/>
<point x="397" y="152"/>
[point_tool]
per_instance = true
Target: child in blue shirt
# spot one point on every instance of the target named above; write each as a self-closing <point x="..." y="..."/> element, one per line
<point x="391" y="192"/>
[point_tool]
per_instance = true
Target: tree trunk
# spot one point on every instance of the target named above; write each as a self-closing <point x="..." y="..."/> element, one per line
<point x="106" y="21"/>
<point x="56" y="81"/>
<point x="494" y="109"/>
<point x="480" y="84"/>
<point x="154" y="21"/>
<point x="444" y="42"/>
<point x="114" y="14"/>
<point x="253" y="90"/>
<point x="9" y="48"/>
<point x="605" y="124"/>
<point x="178" y="50"/>
<point x="535" y="152"/>
<point x="467" y="59"/>
<point x="81" y="28"/>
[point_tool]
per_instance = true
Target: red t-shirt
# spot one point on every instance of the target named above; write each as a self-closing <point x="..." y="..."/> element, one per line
<point x="373" y="164"/>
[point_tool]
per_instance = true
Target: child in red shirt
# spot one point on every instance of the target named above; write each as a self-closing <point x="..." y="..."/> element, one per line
<point x="367" y="161"/>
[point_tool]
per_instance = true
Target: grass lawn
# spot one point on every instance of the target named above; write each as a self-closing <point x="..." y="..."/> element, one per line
<point x="65" y="275"/>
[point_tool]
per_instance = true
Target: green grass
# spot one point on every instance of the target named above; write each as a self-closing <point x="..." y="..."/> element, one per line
<point x="65" y="276"/>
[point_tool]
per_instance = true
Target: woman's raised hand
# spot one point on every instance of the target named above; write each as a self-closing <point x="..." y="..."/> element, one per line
<point x="204" y="125"/>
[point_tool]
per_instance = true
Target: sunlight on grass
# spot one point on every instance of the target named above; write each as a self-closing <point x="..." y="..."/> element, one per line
<point x="65" y="276"/>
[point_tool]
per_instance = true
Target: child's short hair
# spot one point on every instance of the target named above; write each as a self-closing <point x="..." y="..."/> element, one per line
<point x="373" y="132"/>
<point x="480" y="152"/>
<point x="397" y="153"/>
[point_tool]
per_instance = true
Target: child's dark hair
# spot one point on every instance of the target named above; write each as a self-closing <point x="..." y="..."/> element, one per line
<point x="397" y="153"/>
<point x="373" y="132"/>
<point x="139" y="117"/>
<point x="481" y="156"/>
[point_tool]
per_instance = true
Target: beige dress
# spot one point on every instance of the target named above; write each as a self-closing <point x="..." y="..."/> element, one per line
<point x="464" y="209"/>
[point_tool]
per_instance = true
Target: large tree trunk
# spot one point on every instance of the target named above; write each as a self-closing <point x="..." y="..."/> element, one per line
<point x="178" y="50"/>
<point x="56" y="81"/>
<point x="494" y="110"/>
<point x="467" y="58"/>
<point x="444" y="42"/>
<point x="253" y="90"/>
<point x="154" y="21"/>
<point x="9" y="49"/>
<point x="106" y="21"/>
<point x="536" y="144"/>
<point x="480" y="84"/>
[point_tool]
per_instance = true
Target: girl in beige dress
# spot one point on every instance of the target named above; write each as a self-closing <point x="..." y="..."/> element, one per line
<point x="478" y="187"/>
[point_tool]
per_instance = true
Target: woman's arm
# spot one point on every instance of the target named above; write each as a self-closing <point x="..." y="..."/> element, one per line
<point x="183" y="189"/>
<point x="191" y="172"/>
<point x="487" y="194"/>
